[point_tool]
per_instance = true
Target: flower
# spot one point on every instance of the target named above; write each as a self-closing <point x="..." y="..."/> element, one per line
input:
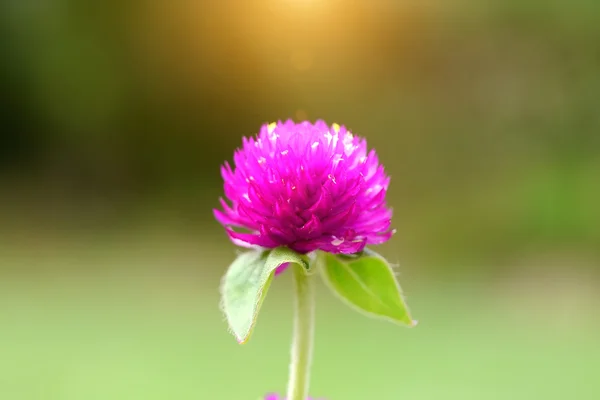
<point x="273" y="396"/>
<point x="306" y="186"/>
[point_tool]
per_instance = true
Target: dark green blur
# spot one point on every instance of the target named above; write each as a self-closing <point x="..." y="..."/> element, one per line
<point x="116" y="117"/>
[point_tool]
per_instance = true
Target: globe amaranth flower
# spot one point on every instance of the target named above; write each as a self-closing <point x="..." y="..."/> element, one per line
<point x="308" y="187"/>
<point x="273" y="396"/>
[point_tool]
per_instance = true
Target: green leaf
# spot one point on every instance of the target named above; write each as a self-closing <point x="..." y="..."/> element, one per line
<point x="282" y="255"/>
<point x="367" y="284"/>
<point x="245" y="285"/>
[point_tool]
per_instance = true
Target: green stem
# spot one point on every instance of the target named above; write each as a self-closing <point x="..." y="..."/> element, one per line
<point x="302" y="341"/>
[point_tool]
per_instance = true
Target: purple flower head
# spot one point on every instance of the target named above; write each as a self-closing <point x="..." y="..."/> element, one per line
<point x="306" y="186"/>
<point x="273" y="396"/>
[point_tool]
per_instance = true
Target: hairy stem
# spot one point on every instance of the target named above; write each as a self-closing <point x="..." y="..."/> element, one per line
<point x="302" y="341"/>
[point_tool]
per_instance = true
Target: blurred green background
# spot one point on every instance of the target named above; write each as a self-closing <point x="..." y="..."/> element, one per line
<point x="116" y="116"/>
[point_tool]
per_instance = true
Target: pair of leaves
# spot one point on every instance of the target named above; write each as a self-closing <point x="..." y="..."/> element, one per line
<point x="366" y="282"/>
<point x="246" y="283"/>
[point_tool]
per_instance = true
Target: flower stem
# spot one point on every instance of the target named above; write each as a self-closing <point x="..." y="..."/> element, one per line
<point x="302" y="341"/>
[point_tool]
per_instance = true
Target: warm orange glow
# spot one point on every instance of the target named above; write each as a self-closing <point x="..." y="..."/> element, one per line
<point x="187" y="46"/>
<point x="301" y="60"/>
<point x="301" y="115"/>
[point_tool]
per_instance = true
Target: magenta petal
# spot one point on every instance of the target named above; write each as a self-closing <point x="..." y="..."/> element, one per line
<point x="247" y="239"/>
<point x="345" y="247"/>
<point x="382" y="238"/>
<point x="223" y="218"/>
<point x="281" y="268"/>
<point x="274" y="396"/>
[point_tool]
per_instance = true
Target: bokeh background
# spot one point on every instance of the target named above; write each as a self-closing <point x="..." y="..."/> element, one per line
<point x="116" y="116"/>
